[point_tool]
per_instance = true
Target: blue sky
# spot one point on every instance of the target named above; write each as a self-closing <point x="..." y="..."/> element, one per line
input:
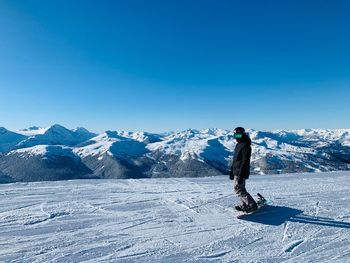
<point x="172" y="65"/>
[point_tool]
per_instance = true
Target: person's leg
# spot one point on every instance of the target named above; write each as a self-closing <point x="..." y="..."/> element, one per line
<point x="245" y="198"/>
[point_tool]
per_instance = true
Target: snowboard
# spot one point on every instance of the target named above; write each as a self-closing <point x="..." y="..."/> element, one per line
<point x="260" y="202"/>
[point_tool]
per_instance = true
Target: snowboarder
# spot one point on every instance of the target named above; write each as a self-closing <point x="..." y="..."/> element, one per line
<point x="239" y="171"/>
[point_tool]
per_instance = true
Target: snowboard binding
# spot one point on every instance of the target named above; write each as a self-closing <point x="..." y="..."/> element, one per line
<point x="261" y="200"/>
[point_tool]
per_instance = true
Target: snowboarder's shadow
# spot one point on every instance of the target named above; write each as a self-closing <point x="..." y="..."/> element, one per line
<point x="277" y="215"/>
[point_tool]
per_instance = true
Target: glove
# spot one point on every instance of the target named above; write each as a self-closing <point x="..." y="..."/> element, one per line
<point x="231" y="175"/>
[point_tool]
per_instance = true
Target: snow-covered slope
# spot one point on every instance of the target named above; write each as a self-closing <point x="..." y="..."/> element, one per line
<point x="273" y="152"/>
<point x="43" y="150"/>
<point x="110" y="155"/>
<point x="112" y="143"/>
<point x="176" y="220"/>
<point x="145" y="137"/>
<point x="206" y="146"/>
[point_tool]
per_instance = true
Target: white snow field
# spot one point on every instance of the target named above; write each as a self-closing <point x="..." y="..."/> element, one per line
<point x="176" y="220"/>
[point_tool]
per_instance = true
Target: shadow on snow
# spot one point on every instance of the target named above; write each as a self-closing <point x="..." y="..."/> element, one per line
<point x="277" y="215"/>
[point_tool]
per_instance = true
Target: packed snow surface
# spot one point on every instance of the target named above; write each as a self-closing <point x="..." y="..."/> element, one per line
<point x="176" y="220"/>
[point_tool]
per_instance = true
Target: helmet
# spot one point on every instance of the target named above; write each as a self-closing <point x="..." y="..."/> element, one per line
<point x="239" y="130"/>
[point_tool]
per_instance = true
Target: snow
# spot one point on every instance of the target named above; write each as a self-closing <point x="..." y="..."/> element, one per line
<point x="141" y="136"/>
<point x="193" y="144"/>
<point x="176" y="220"/>
<point x="216" y="145"/>
<point x="56" y="135"/>
<point x="112" y="143"/>
<point x="35" y="150"/>
<point x="280" y="151"/>
<point x="44" y="150"/>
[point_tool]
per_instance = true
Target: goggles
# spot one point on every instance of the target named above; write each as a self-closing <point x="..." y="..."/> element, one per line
<point x="238" y="135"/>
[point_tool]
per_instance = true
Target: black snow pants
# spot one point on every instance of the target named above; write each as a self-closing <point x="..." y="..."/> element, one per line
<point x="239" y="187"/>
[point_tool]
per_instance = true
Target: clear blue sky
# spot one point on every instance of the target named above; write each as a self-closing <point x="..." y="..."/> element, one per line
<point x="170" y="65"/>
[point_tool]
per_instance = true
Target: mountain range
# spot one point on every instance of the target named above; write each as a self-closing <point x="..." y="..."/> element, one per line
<point x="58" y="153"/>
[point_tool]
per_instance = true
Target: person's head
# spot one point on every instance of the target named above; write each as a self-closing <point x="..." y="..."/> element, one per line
<point x="239" y="133"/>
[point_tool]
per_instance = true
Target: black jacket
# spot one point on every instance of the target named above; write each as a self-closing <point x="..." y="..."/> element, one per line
<point x="241" y="159"/>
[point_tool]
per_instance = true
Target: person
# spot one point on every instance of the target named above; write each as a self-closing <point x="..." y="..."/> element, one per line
<point x="240" y="170"/>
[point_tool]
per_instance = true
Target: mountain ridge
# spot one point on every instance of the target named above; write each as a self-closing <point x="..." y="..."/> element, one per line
<point x="188" y="153"/>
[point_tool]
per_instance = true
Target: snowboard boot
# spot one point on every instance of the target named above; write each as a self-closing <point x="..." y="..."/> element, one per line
<point x="240" y="208"/>
<point x="251" y="208"/>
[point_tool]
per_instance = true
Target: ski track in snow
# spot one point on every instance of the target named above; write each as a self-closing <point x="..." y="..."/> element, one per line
<point x="176" y="220"/>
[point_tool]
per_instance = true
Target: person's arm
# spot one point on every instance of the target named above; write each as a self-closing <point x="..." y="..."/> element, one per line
<point x="230" y="172"/>
<point x="246" y="152"/>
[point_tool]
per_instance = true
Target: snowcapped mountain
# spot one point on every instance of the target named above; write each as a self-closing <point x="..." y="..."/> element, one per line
<point x="31" y="131"/>
<point x="112" y="143"/>
<point x="209" y="146"/>
<point x="141" y="136"/>
<point x="57" y="135"/>
<point x="43" y="163"/>
<point x="189" y="153"/>
<point x="111" y="155"/>
<point x="300" y="150"/>
<point x="8" y="139"/>
<point x="81" y="134"/>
